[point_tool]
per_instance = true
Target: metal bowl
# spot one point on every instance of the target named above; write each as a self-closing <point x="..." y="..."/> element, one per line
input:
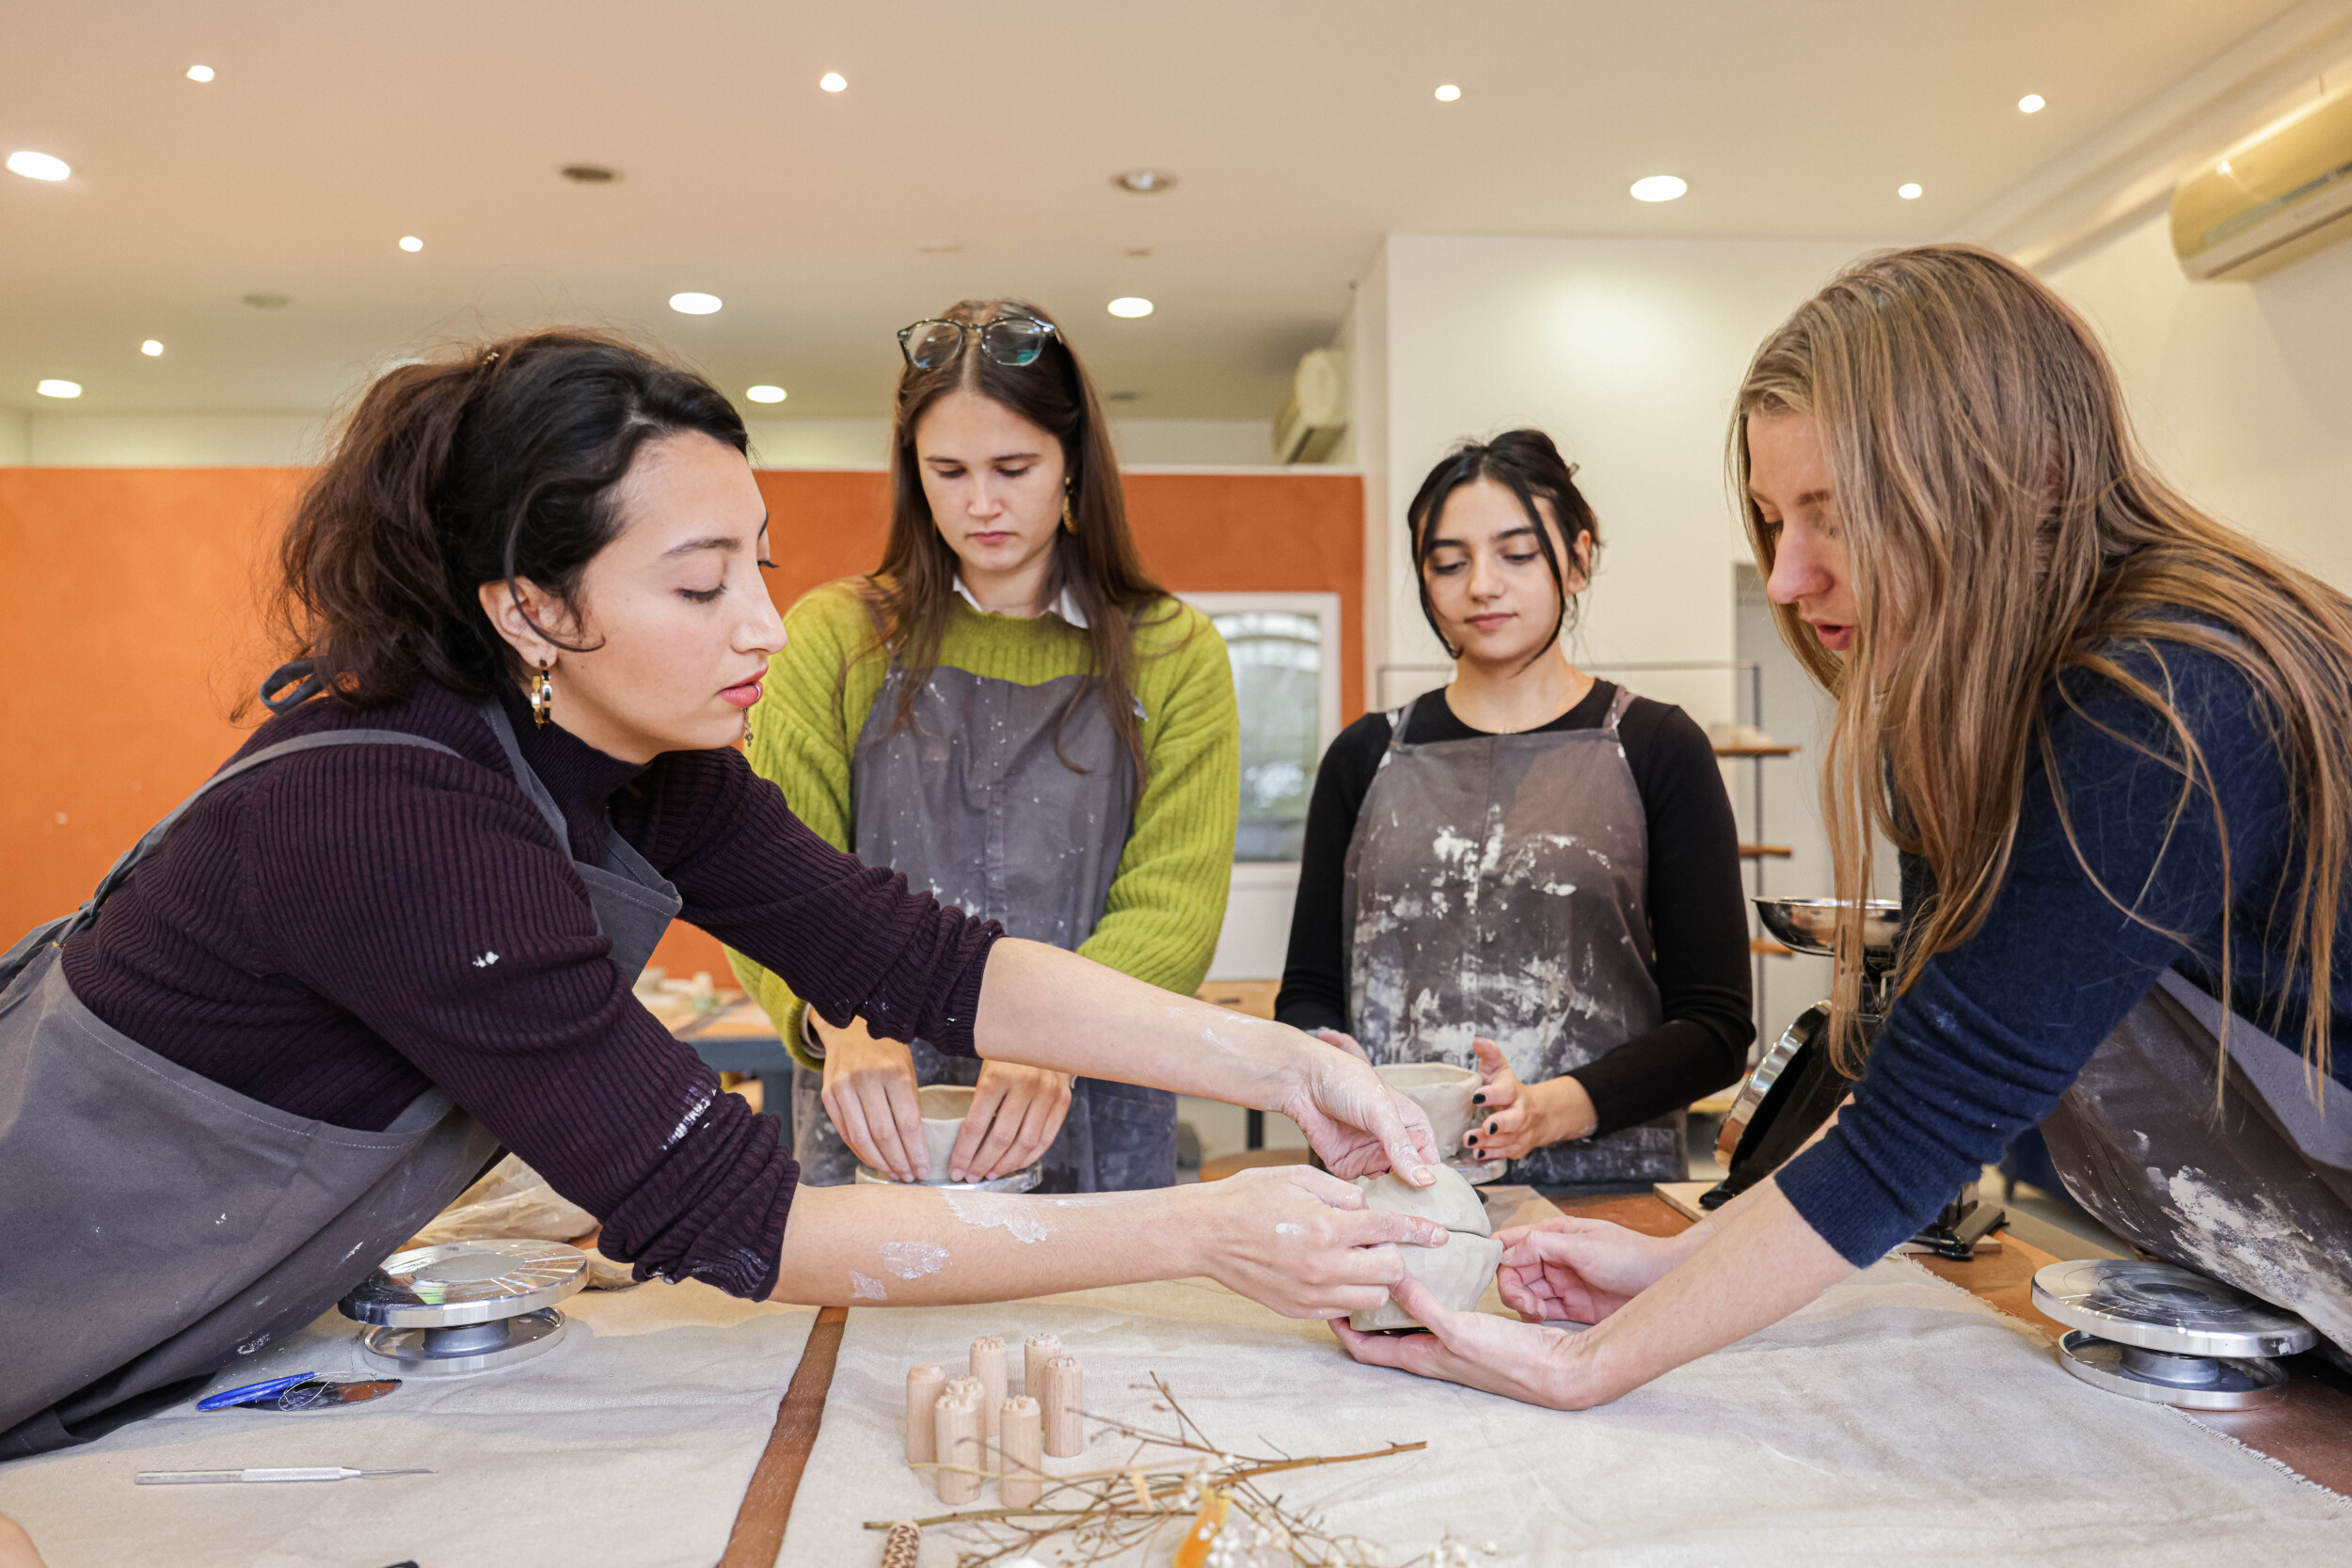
<point x="1810" y="925"/>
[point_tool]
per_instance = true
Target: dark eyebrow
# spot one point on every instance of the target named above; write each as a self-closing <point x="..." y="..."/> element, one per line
<point x="1518" y="532"/>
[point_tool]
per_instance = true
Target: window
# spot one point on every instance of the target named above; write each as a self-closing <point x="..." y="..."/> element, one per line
<point x="1286" y="681"/>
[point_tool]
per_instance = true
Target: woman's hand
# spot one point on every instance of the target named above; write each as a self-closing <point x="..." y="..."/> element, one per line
<point x="1518" y="1360"/>
<point x="1016" y="1113"/>
<point x="1344" y="1041"/>
<point x="1571" y="1270"/>
<point x="1521" y="1117"/>
<point x="1301" y="1242"/>
<point x="870" y="1095"/>
<point x="1357" y="1124"/>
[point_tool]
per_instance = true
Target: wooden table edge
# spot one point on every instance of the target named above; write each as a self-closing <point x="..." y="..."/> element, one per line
<point x="759" y="1532"/>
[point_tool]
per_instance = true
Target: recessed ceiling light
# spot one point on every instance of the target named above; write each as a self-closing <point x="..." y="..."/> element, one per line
<point x="1909" y="191"/>
<point x="151" y="348"/>
<point x="39" y="166"/>
<point x="764" y="394"/>
<point x="1447" y="93"/>
<point x="1128" y="305"/>
<point x="692" y="304"/>
<point x="590" y="174"/>
<point x="1144" y="181"/>
<point x="833" y="81"/>
<point x="1660" y="187"/>
<point x="2030" y="105"/>
<point x="59" y="388"/>
<point x="410" y="242"/>
<point x="200" y="74"/>
<point x="267" y="302"/>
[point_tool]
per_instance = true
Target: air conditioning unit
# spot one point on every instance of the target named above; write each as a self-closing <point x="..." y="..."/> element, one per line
<point x="2275" y="197"/>
<point x="1316" y="416"/>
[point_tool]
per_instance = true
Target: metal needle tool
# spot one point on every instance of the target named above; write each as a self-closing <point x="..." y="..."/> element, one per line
<point x="180" y="1478"/>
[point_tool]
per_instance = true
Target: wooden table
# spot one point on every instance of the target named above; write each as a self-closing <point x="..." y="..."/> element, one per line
<point x="2309" y="1429"/>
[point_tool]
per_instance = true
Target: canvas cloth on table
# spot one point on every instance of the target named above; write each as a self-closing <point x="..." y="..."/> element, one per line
<point x="628" y="1446"/>
<point x="1898" y="1419"/>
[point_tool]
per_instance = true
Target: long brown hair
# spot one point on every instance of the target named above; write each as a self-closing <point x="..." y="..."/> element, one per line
<point x="2002" y="526"/>
<point x="1095" y="559"/>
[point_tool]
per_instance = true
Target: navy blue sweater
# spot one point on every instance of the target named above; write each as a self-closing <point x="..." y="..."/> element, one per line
<point x="1995" y="1030"/>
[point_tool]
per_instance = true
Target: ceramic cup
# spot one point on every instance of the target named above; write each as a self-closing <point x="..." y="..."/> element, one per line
<point x="1442" y="1091"/>
<point x="944" y="1106"/>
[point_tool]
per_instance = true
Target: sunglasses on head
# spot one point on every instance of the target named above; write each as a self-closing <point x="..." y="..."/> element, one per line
<point x="1013" y="341"/>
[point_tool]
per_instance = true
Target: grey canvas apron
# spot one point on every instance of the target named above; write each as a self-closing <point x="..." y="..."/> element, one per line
<point x="157" y="1225"/>
<point x="973" y="798"/>
<point x="1495" y="887"/>
<point x="2256" y="1193"/>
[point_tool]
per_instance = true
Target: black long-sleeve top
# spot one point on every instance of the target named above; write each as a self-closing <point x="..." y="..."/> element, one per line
<point x="318" y="936"/>
<point x="1697" y="909"/>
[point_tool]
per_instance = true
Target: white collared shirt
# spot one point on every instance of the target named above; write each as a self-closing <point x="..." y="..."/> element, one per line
<point x="1066" y="606"/>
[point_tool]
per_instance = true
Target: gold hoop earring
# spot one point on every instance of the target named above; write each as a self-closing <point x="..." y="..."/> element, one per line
<point x="541" y="697"/>
<point x="1069" y="523"/>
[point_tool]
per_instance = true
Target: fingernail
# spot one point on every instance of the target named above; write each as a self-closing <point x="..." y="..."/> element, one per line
<point x="1493" y="1126"/>
<point x="1478" y="1099"/>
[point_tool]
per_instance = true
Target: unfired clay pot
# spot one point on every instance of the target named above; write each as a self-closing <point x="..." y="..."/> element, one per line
<point x="1441" y="1090"/>
<point x="1458" y="1272"/>
<point x="1450" y="1200"/>
<point x="944" y="1106"/>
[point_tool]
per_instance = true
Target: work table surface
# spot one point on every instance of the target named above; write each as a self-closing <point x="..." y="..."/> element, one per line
<point x="2309" y="1429"/>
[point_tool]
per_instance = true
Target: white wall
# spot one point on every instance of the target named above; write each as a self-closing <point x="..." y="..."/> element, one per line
<point x="2242" y="391"/>
<point x="69" y="441"/>
<point x="1629" y="352"/>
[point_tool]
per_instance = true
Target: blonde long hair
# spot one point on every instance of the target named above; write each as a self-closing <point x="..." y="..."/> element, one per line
<point x="2002" y="526"/>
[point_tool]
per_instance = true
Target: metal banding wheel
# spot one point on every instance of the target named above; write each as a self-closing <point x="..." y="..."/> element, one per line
<point x="465" y="1306"/>
<point x="1021" y="1180"/>
<point x="2168" y="1335"/>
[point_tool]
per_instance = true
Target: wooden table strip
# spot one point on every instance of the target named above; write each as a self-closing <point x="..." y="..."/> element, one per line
<point x="758" y="1533"/>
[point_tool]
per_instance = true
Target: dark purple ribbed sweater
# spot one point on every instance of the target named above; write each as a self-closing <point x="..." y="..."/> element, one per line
<point x="314" y="936"/>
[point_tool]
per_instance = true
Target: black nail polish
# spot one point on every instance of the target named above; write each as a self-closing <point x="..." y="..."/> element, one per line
<point x="1492" y="1127"/>
<point x="1478" y="1099"/>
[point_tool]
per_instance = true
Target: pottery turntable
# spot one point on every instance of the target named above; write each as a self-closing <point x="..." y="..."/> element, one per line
<point x="2155" y="1332"/>
<point x="465" y="1307"/>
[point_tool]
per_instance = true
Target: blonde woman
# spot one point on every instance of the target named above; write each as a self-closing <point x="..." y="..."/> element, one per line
<point x="1011" y="712"/>
<point x="2109" y="736"/>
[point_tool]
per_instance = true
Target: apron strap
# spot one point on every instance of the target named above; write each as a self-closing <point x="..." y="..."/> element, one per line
<point x="153" y="838"/>
<point x="525" y="780"/>
<point x="1617" y="704"/>
<point x="1400" y="719"/>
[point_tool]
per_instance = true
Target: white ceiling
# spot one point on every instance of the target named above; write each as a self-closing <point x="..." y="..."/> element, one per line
<point x="1301" y="131"/>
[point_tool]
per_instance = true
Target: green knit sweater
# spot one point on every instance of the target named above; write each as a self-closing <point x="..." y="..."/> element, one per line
<point x="1168" y="899"/>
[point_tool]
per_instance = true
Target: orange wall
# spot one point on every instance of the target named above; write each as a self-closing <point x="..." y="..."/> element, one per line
<point x="130" y="624"/>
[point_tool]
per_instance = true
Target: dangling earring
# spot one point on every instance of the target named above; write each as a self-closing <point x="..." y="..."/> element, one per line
<point x="541" y="697"/>
<point x="1069" y="523"/>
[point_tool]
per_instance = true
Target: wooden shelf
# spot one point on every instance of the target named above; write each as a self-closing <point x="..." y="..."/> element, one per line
<point x="1764" y="947"/>
<point x="1756" y="751"/>
<point x="1765" y="851"/>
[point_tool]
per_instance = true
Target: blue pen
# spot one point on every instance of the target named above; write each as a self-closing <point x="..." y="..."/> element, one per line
<point x="251" y="1391"/>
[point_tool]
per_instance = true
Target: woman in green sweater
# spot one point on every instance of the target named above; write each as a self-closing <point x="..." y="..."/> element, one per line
<point x="1012" y="714"/>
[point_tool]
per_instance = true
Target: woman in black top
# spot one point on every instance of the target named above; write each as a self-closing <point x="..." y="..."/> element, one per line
<point x="1539" y="875"/>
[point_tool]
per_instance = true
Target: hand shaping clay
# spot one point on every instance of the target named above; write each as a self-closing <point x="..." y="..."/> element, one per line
<point x="1450" y="1200"/>
<point x="1443" y="1093"/>
<point x="944" y="1106"/>
<point x="1458" y="1274"/>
